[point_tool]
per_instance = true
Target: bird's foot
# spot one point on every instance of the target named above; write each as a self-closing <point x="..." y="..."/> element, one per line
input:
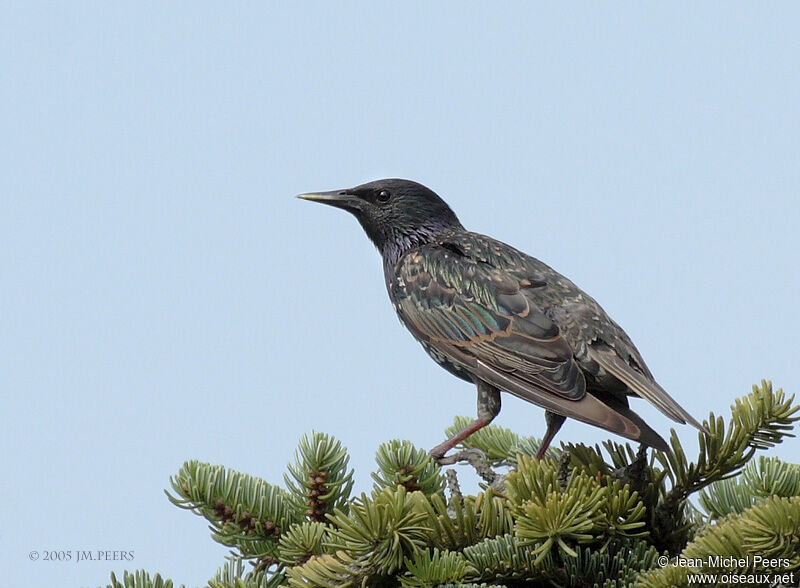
<point x="635" y="473"/>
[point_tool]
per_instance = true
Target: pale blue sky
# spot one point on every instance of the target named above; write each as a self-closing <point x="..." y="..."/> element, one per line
<point x="164" y="297"/>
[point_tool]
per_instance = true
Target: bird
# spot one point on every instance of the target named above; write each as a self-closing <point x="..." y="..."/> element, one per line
<point x="502" y="320"/>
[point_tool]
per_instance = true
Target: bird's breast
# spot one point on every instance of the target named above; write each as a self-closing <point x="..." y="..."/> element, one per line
<point x="446" y="362"/>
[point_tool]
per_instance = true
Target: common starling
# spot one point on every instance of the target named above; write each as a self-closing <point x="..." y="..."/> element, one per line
<point x="501" y="319"/>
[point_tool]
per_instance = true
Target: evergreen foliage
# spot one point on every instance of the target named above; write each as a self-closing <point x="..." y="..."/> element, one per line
<point x="761" y="478"/>
<point x="500" y="445"/>
<point x="318" y="481"/>
<point x="140" y="579"/>
<point x="583" y="516"/>
<point x="402" y="464"/>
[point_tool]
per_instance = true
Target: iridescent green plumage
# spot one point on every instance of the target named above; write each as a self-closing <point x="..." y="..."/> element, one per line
<point x="495" y="316"/>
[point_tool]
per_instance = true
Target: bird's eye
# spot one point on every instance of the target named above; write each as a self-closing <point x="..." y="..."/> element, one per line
<point x="383" y="196"/>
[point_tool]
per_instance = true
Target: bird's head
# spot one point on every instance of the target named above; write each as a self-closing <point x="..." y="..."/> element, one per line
<point x="396" y="214"/>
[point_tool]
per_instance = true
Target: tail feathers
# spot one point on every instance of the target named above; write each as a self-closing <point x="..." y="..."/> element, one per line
<point x="612" y="416"/>
<point x="642" y="386"/>
<point x="647" y="435"/>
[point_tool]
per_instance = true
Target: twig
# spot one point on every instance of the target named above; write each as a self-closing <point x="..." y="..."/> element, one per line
<point x="477" y="459"/>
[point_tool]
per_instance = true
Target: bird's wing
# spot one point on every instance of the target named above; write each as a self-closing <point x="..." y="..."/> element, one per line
<point x="635" y="377"/>
<point x="480" y="317"/>
<point x="451" y="301"/>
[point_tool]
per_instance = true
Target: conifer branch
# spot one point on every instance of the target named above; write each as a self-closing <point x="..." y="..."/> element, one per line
<point x="582" y="516"/>
<point x="402" y="464"/>
<point x="243" y="511"/>
<point x="140" y="579"/>
<point x="318" y="480"/>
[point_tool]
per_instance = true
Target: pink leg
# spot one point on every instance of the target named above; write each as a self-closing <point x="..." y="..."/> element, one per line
<point x="488" y="407"/>
<point x="443" y="448"/>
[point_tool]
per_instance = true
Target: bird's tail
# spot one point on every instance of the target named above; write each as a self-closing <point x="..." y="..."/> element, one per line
<point x="599" y="410"/>
<point x="646" y="435"/>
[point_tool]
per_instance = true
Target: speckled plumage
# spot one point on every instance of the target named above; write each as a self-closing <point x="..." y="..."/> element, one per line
<point x="491" y="314"/>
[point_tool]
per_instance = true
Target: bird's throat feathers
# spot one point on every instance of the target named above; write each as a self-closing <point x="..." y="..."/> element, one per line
<point x="397" y="242"/>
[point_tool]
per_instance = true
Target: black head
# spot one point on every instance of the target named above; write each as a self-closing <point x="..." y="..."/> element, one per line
<point x="394" y="213"/>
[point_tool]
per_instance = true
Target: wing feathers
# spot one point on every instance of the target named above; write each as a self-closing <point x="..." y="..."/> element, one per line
<point x="647" y="389"/>
<point x="454" y="302"/>
<point x="490" y="322"/>
<point x="588" y="409"/>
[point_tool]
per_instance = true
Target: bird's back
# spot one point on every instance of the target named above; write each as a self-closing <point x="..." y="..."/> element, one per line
<point x="579" y="317"/>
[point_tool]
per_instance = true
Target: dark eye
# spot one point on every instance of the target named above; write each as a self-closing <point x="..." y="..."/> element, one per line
<point x="383" y="196"/>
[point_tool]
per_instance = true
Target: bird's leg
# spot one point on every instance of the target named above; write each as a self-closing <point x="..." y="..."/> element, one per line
<point x="554" y="422"/>
<point x="488" y="407"/>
